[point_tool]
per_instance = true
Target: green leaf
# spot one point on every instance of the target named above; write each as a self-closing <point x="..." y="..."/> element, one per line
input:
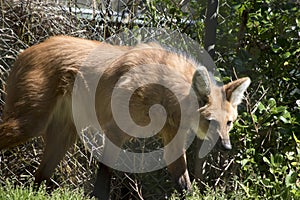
<point x="267" y="183"/>
<point x="276" y="48"/>
<point x="236" y="123"/>
<point x="261" y="107"/>
<point x="266" y="160"/>
<point x="272" y="159"/>
<point x="284" y="120"/>
<point x="272" y="170"/>
<point x="276" y="160"/>
<point x="291" y="178"/>
<point x="290" y="155"/>
<point x="281" y="108"/>
<point x="296" y="139"/>
<point x="254" y="118"/>
<point x="286" y="55"/>
<point x="272" y="102"/>
<point x="274" y="111"/>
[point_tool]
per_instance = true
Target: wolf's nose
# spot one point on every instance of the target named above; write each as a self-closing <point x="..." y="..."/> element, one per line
<point x="226" y="144"/>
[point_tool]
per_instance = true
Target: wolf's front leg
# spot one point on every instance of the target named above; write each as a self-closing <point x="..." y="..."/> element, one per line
<point x="180" y="175"/>
<point x="175" y="157"/>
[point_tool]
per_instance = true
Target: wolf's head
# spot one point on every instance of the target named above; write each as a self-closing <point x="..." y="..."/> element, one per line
<point x="218" y="104"/>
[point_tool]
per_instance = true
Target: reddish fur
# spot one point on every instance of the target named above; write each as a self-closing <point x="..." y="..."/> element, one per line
<point x="40" y="85"/>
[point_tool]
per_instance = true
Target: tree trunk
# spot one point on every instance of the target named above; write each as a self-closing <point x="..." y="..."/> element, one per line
<point x="211" y="26"/>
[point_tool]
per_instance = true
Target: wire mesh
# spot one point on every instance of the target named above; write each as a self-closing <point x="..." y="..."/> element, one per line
<point x="25" y="23"/>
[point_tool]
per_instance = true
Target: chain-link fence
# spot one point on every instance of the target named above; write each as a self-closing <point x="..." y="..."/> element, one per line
<point x="24" y="23"/>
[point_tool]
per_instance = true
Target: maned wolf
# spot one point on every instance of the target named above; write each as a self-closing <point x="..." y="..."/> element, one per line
<point x="39" y="100"/>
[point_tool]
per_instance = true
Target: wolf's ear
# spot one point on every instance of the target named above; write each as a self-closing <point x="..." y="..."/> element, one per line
<point x="235" y="90"/>
<point x="201" y="84"/>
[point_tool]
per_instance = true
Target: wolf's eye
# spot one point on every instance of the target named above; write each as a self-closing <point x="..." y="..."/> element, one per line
<point x="229" y="123"/>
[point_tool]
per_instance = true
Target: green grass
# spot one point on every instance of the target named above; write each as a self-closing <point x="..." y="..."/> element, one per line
<point x="9" y="192"/>
<point x="212" y="194"/>
<point x="242" y="192"/>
